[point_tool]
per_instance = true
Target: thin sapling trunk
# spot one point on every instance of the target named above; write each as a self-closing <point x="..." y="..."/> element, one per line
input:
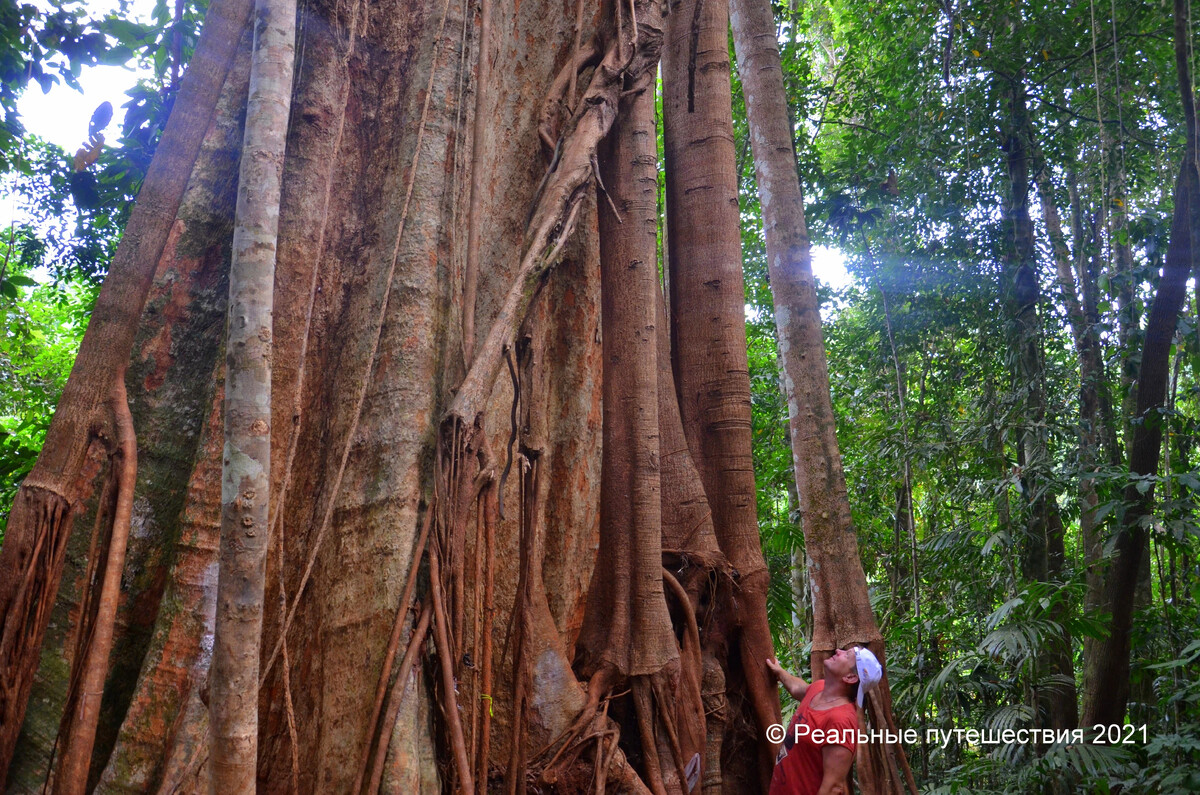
<point x="246" y="470"/>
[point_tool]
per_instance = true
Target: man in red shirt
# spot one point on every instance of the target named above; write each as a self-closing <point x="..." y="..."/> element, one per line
<point x="818" y="747"/>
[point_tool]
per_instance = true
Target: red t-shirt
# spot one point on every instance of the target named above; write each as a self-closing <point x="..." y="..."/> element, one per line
<point x="801" y="769"/>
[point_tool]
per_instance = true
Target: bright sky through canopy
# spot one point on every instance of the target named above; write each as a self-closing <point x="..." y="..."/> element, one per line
<point x="829" y="267"/>
<point x="62" y="115"/>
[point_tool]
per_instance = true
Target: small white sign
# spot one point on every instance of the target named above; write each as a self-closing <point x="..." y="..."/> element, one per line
<point x="692" y="771"/>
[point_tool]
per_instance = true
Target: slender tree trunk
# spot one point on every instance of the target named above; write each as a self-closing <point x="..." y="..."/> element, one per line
<point x="1107" y="692"/>
<point x="1064" y="711"/>
<point x="708" y="330"/>
<point x="1025" y="295"/>
<point x="842" y="614"/>
<point x="842" y="609"/>
<point x="246" y="473"/>
<point x="690" y="549"/>
<point x="1092" y="383"/>
<point x="1042" y="545"/>
<point x="1087" y="268"/>
<point x="1128" y="315"/>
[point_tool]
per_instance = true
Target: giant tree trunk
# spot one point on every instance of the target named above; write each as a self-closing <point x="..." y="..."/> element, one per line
<point x="387" y="446"/>
<point x="841" y="603"/>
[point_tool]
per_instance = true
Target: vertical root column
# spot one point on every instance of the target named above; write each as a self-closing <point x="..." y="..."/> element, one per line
<point x="93" y="667"/>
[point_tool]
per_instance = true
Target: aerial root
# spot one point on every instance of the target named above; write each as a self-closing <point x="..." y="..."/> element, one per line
<point x="666" y="715"/>
<point x="557" y="204"/>
<point x="556" y="210"/>
<point x="396" y="697"/>
<point x="449" y="687"/>
<point x="82" y="714"/>
<point x="561" y="94"/>
<point x="592" y="723"/>
<point x="390" y="655"/>
<point x="644" y="707"/>
<point x="604" y="190"/>
<point x="597" y="691"/>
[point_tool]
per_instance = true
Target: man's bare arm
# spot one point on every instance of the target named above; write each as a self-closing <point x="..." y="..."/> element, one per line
<point x="836" y="759"/>
<point x="791" y="683"/>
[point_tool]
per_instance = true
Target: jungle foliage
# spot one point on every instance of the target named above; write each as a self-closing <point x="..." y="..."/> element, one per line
<point x="902" y="132"/>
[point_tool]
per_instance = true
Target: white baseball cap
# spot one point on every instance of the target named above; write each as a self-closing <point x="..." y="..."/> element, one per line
<point x="869" y="671"/>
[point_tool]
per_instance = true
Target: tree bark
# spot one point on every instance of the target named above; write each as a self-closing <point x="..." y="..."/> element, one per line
<point x="246" y="470"/>
<point x="1089" y="356"/>
<point x="708" y="332"/>
<point x="371" y="426"/>
<point x="1093" y="419"/>
<point x="690" y="549"/>
<point x="31" y="560"/>
<point x="72" y="777"/>
<point x="841" y="604"/>
<point x="627" y="625"/>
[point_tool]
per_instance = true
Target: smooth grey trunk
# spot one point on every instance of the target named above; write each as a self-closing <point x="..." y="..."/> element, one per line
<point x="246" y="462"/>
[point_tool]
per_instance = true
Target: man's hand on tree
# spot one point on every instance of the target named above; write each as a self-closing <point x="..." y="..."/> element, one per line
<point x="791" y="683"/>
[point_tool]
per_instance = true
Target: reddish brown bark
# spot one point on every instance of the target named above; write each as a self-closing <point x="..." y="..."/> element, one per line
<point x="708" y="334"/>
<point x="627" y="625"/>
<point x="38" y="526"/>
<point x="389" y="656"/>
<point x="704" y="592"/>
<point x="842" y="611"/>
<point x="396" y="698"/>
<point x="474" y="218"/>
<point x="368" y="275"/>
